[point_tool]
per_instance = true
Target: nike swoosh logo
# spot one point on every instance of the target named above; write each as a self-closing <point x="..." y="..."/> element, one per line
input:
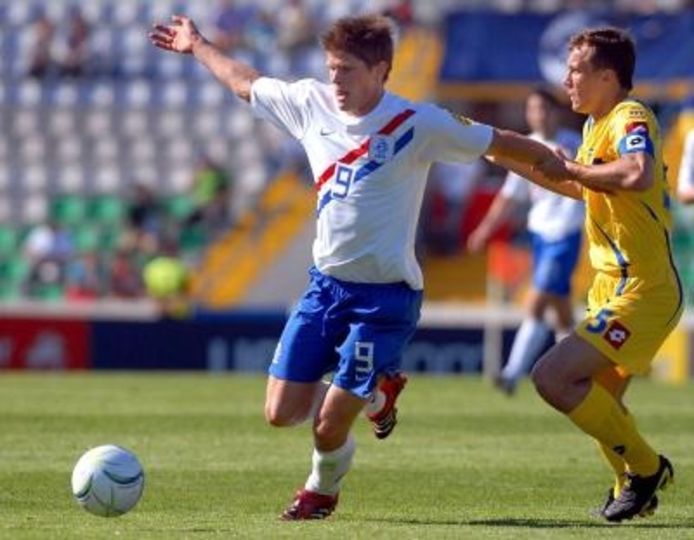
<point x="326" y="131"/>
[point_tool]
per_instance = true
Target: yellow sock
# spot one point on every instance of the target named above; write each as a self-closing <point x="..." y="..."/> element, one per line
<point x="600" y="416"/>
<point x="618" y="466"/>
<point x="616" y="462"/>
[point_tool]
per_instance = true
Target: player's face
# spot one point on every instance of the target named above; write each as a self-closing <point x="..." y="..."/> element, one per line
<point x="357" y="87"/>
<point x="584" y="83"/>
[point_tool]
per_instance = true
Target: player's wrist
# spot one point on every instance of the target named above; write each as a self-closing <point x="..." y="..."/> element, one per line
<point x="197" y="41"/>
<point x="575" y="171"/>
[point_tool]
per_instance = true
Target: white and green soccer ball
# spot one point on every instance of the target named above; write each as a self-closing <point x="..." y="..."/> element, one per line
<point x="108" y="480"/>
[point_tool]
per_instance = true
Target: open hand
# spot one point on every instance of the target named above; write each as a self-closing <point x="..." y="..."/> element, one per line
<point x="180" y="36"/>
<point x="553" y="167"/>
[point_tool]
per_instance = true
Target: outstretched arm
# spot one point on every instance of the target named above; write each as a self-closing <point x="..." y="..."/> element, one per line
<point x="182" y="36"/>
<point x="529" y="158"/>
<point x="631" y="172"/>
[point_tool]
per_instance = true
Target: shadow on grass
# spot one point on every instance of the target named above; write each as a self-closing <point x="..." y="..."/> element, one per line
<point x="539" y="523"/>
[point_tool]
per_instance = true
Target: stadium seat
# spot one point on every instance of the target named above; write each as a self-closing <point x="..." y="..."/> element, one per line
<point x="34" y="208"/>
<point x="50" y="292"/>
<point x="100" y="94"/>
<point x="26" y="122"/>
<point x="106" y="149"/>
<point x="178" y="206"/>
<point x="62" y="123"/>
<point x="9" y="240"/>
<point x="170" y="122"/>
<point x="33" y="150"/>
<point x="68" y="209"/>
<point x="34" y="179"/>
<point x="85" y="237"/>
<point x="29" y="93"/>
<point x="109" y="237"/>
<point x="70" y="179"/>
<point x="106" y="209"/>
<point x="137" y="94"/>
<point x="65" y="94"/>
<point x="98" y="123"/>
<point x="14" y="269"/>
<point x="107" y="179"/>
<point x="192" y="239"/>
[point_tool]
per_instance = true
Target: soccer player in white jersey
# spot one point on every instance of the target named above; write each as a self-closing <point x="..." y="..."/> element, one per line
<point x="369" y="151"/>
<point x="555" y="224"/>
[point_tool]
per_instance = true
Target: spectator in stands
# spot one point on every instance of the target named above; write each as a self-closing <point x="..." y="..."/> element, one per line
<point x="124" y="279"/>
<point x="555" y="223"/>
<point x="40" y="63"/>
<point x="144" y="220"/>
<point x="48" y="247"/>
<point x="685" y="179"/>
<point x="76" y="45"/>
<point x="296" y="35"/>
<point x="261" y="34"/>
<point x="230" y="24"/>
<point x="401" y="12"/>
<point x="448" y="191"/>
<point x="167" y="281"/>
<point x="210" y="192"/>
<point x="85" y="277"/>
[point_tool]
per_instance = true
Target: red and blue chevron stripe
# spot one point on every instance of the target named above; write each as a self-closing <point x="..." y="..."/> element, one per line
<point x="369" y="166"/>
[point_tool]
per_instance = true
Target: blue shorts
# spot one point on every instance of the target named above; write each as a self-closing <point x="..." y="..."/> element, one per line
<point x="356" y="330"/>
<point x="554" y="263"/>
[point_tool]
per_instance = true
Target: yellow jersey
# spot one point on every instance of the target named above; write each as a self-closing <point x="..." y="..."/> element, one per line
<point x="636" y="298"/>
<point x="628" y="231"/>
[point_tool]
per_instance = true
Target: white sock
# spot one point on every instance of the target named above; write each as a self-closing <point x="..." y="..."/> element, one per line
<point x="528" y="343"/>
<point x="330" y="467"/>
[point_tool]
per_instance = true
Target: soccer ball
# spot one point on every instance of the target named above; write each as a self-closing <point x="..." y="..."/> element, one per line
<point x="108" y="480"/>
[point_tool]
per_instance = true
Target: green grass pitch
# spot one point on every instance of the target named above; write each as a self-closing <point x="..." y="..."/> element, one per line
<point x="465" y="462"/>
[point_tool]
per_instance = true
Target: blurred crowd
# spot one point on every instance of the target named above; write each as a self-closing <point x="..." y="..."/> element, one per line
<point x="163" y="217"/>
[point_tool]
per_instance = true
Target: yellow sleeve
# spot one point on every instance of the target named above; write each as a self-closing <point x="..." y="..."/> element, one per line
<point x="633" y="129"/>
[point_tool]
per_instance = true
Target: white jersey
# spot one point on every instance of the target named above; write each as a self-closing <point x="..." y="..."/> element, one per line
<point x="685" y="179"/>
<point x="369" y="172"/>
<point x="552" y="216"/>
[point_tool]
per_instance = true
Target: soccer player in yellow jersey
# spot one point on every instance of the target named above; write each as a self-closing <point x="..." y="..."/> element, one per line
<point x="636" y="298"/>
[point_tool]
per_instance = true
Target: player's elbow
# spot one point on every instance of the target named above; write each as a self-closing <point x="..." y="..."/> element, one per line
<point x="638" y="174"/>
<point x="637" y="180"/>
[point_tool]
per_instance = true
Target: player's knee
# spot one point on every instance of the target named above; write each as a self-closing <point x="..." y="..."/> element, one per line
<point x="280" y="417"/>
<point x="541" y="377"/>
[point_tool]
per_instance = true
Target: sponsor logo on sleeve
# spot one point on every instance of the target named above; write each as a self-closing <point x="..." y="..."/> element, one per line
<point x="616" y="334"/>
<point x="636" y="142"/>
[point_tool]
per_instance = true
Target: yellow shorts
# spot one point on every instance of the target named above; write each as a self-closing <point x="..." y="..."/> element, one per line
<point x="629" y="325"/>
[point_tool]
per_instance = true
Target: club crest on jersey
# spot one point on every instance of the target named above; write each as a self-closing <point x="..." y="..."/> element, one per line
<point x="381" y="148"/>
<point x="616" y="334"/>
